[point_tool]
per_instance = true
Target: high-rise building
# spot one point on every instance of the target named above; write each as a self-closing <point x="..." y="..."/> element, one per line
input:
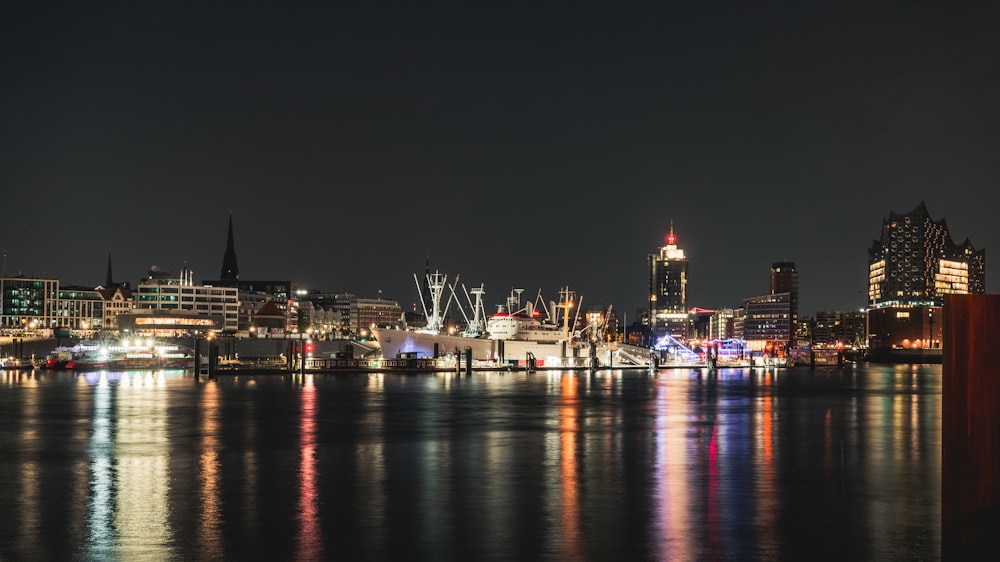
<point x="910" y="269"/>
<point x="916" y="261"/>
<point x="668" y="300"/>
<point x="785" y="279"/>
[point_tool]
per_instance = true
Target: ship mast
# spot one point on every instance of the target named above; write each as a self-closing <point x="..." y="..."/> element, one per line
<point x="477" y="325"/>
<point x="435" y="286"/>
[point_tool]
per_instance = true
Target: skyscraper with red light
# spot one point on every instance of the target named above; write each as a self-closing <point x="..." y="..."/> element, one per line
<point x="668" y="301"/>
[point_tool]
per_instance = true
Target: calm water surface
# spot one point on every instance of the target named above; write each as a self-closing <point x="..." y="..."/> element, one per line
<point x="796" y="464"/>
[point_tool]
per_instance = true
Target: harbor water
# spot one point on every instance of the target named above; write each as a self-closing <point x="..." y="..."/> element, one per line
<point x="684" y="464"/>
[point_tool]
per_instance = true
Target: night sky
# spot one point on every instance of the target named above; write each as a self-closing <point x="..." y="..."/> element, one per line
<point x="515" y="145"/>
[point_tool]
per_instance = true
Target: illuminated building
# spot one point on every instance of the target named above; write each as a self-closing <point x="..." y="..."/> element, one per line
<point x="668" y="279"/>
<point x="160" y="291"/>
<point x="116" y="301"/>
<point x="916" y="261"/>
<point x="836" y="327"/>
<point x="767" y="322"/>
<point x="27" y="304"/>
<point x="910" y="269"/>
<point x="785" y="279"/>
<point x="79" y="308"/>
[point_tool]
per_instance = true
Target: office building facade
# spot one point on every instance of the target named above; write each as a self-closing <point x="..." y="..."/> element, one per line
<point x="668" y="291"/>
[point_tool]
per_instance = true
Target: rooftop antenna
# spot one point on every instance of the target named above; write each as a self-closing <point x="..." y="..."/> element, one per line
<point x="4" y="272"/>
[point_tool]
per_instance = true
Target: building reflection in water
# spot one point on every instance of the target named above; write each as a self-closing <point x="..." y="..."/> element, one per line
<point x="250" y="463"/>
<point x="210" y="520"/>
<point x="893" y="456"/>
<point x="369" y="459"/>
<point x="673" y="529"/>
<point x="309" y="539"/>
<point x="127" y="451"/>
<point x="765" y="486"/>
<point x="101" y="451"/>
<point x="569" y="539"/>
<point x="28" y="474"/>
<point x="682" y="465"/>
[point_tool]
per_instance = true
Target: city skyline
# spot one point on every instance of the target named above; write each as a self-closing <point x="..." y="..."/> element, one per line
<point x="536" y="152"/>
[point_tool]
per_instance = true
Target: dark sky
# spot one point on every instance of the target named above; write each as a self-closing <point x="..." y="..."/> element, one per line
<point x="534" y="145"/>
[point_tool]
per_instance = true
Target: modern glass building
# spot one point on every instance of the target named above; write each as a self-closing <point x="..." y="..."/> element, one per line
<point x="785" y="279"/>
<point x="27" y="304"/>
<point x="767" y="322"/>
<point x="916" y="261"/>
<point x="911" y="267"/>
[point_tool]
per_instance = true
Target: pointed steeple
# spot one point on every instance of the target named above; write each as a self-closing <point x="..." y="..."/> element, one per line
<point x="671" y="238"/>
<point x="230" y="271"/>
<point x="109" y="279"/>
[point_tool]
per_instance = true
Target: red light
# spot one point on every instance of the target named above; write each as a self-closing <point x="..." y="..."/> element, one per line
<point x="671" y="239"/>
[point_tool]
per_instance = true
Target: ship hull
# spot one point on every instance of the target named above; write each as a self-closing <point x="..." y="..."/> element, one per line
<point x="129" y="364"/>
<point x="402" y="343"/>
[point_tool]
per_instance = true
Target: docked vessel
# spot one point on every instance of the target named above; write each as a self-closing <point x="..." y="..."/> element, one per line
<point x="121" y="356"/>
<point x="514" y="332"/>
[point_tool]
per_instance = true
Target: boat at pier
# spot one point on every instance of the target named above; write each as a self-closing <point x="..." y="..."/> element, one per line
<point x="513" y="332"/>
<point x="121" y="356"/>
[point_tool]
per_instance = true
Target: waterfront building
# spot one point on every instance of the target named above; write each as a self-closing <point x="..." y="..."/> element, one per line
<point x="349" y="316"/>
<point x="668" y="299"/>
<point x="117" y="301"/>
<point x="785" y="279"/>
<point x="267" y="320"/>
<point x="169" y="323"/>
<point x="911" y="267"/>
<point x="767" y="322"/>
<point x="79" y="309"/>
<point x="381" y="312"/>
<point x="916" y="261"/>
<point x="27" y="305"/>
<point x="723" y="324"/>
<point x="701" y="323"/>
<point x="162" y="291"/>
<point x="834" y="328"/>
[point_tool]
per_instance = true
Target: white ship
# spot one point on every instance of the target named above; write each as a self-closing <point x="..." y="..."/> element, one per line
<point x="511" y="334"/>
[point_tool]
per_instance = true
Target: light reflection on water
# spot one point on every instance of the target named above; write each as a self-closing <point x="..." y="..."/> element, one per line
<point x="687" y="464"/>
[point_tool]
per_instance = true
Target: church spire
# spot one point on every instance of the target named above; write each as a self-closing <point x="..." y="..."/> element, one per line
<point x="108" y="282"/>
<point x="230" y="271"/>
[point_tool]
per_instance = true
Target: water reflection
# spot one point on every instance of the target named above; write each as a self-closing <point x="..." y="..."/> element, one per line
<point x="569" y="434"/>
<point x="672" y="530"/>
<point x="101" y="539"/>
<point x="210" y="521"/>
<point x="680" y="465"/>
<point x="309" y="540"/>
